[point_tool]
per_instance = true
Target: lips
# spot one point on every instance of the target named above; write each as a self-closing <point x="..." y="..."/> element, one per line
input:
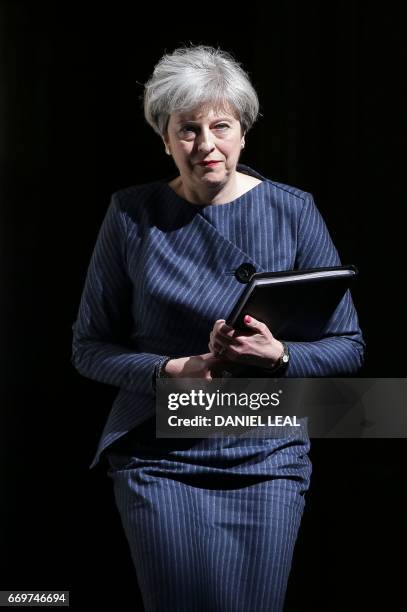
<point x="209" y="163"/>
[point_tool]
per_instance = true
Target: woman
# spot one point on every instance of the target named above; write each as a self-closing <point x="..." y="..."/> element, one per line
<point x="211" y="523"/>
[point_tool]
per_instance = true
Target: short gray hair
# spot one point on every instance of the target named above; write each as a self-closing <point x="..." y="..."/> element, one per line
<point x="193" y="76"/>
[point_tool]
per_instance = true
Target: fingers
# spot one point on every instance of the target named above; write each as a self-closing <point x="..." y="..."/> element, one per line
<point x="221" y="327"/>
<point x="225" y="330"/>
<point x="219" y="348"/>
<point x="255" y="325"/>
<point x="220" y="337"/>
<point x="216" y="349"/>
<point x="213" y="345"/>
<point x="230" y="343"/>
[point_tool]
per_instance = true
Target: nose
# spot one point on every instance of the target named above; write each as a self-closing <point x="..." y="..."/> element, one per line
<point x="205" y="143"/>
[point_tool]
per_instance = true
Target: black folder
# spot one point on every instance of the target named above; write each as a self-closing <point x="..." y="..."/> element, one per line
<point x="295" y="305"/>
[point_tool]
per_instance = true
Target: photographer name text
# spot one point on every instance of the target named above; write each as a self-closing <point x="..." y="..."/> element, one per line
<point x="248" y="420"/>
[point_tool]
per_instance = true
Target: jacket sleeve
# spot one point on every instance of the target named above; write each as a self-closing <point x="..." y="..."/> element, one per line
<point x="340" y="351"/>
<point x="100" y="348"/>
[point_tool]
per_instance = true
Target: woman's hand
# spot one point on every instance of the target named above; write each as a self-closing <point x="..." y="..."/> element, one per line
<point x="207" y="366"/>
<point x="256" y="346"/>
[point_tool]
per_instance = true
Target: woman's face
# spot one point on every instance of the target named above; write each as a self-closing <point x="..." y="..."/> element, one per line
<point x="204" y="135"/>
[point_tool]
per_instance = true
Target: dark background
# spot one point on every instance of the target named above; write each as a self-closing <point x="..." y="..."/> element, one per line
<point x="331" y="83"/>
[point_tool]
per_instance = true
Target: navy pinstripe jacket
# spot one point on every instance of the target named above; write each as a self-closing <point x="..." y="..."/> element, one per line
<point x="159" y="277"/>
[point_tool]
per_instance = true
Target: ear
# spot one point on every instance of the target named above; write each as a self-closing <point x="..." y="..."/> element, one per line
<point x="166" y="142"/>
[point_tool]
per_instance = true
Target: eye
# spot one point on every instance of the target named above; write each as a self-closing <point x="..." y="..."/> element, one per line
<point x="188" y="128"/>
<point x="222" y="126"/>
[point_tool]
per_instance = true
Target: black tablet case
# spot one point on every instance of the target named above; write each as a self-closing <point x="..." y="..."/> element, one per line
<point x="294" y="305"/>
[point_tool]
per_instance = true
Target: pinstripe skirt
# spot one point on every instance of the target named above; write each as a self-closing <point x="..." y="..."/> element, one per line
<point x="211" y="523"/>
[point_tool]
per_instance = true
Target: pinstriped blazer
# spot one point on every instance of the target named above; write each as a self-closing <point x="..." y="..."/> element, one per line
<point x="159" y="277"/>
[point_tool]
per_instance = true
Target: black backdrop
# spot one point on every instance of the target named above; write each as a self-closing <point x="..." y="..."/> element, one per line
<point x="331" y="82"/>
